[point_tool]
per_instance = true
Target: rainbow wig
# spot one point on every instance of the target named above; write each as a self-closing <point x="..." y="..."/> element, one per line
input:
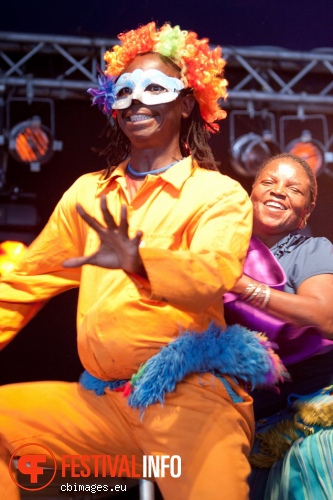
<point x="201" y="68"/>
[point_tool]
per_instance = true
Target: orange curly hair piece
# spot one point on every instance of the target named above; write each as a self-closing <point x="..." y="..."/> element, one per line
<point x="201" y="67"/>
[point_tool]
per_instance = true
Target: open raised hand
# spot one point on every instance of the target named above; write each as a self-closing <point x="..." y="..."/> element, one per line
<point x="117" y="250"/>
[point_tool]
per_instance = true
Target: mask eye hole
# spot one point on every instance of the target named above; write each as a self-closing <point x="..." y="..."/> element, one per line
<point x="155" y="88"/>
<point x="124" y="92"/>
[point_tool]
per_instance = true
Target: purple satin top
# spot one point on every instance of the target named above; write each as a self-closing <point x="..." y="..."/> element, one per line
<point x="293" y="344"/>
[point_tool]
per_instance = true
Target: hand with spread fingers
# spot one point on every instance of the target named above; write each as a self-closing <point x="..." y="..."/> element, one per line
<point x="117" y="250"/>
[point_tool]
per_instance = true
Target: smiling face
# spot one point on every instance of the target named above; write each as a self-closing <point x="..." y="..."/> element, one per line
<point x="281" y="198"/>
<point x="153" y="125"/>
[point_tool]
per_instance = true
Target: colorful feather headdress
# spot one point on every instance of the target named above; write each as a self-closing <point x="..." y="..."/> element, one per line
<point x="201" y="67"/>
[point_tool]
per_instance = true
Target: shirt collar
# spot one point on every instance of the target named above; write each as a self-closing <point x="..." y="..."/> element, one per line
<point x="287" y="243"/>
<point x="180" y="172"/>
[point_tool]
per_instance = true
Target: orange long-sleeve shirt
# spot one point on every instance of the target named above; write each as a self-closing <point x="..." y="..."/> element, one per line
<point x="196" y="229"/>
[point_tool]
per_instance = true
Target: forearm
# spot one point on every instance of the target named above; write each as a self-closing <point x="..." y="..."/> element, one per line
<point x="299" y="309"/>
<point x="37" y="278"/>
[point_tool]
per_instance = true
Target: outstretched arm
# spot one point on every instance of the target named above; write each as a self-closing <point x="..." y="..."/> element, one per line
<point x="311" y="305"/>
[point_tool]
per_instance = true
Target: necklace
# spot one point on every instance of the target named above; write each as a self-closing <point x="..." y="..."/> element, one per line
<point x="152" y="172"/>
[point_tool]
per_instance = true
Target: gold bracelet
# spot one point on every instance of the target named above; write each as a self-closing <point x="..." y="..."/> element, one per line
<point x="255" y="295"/>
<point x="257" y="299"/>
<point x="267" y="297"/>
<point x="248" y="291"/>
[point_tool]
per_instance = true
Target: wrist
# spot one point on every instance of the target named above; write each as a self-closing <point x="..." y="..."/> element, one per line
<point x="256" y="294"/>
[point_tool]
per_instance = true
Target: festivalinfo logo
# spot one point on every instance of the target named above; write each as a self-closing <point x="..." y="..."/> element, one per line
<point x="39" y="469"/>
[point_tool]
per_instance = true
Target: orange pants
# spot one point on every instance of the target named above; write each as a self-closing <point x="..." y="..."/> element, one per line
<point x="199" y="422"/>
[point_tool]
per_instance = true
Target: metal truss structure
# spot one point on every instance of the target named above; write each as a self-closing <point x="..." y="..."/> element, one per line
<point x="278" y="79"/>
<point x="271" y="91"/>
<point x="64" y="67"/>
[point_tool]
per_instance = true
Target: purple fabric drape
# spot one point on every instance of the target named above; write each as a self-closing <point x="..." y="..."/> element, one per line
<point x="293" y="343"/>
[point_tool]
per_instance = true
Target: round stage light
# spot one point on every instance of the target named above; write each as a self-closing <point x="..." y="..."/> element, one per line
<point x="250" y="151"/>
<point x="31" y="142"/>
<point x="310" y="150"/>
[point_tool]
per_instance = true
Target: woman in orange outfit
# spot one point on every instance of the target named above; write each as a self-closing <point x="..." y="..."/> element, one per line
<point x="152" y="242"/>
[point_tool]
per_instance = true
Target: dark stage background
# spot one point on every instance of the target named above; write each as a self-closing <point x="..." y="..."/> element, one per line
<point x="45" y="349"/>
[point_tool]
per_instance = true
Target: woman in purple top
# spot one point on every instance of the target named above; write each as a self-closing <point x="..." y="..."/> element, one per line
<point x="301" y="314"/>
<point x="283" y="196"/>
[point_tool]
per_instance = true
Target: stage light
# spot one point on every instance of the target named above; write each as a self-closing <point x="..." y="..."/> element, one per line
<point x="251" y="150"/>
<point x="31" y="142"/>
<point x="310" y="150"/>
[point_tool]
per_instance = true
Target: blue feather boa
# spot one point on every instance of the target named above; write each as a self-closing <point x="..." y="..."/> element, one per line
<point x="236" y="351"/>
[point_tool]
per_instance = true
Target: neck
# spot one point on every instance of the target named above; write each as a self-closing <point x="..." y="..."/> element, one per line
<point x="145" y="160"/>
<point x="269" y="240"/>
<point x="152" y="172"/>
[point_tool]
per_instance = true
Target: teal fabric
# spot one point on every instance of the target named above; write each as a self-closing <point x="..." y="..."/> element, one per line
<point x="306" y="470"/>
<point x="306" y="473"/>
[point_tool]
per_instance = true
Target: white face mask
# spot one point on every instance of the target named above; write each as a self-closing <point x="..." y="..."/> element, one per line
<point x="149" y="87"/>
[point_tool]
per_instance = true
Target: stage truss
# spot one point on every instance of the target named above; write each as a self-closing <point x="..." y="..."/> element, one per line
<point x="64" y="67"/>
